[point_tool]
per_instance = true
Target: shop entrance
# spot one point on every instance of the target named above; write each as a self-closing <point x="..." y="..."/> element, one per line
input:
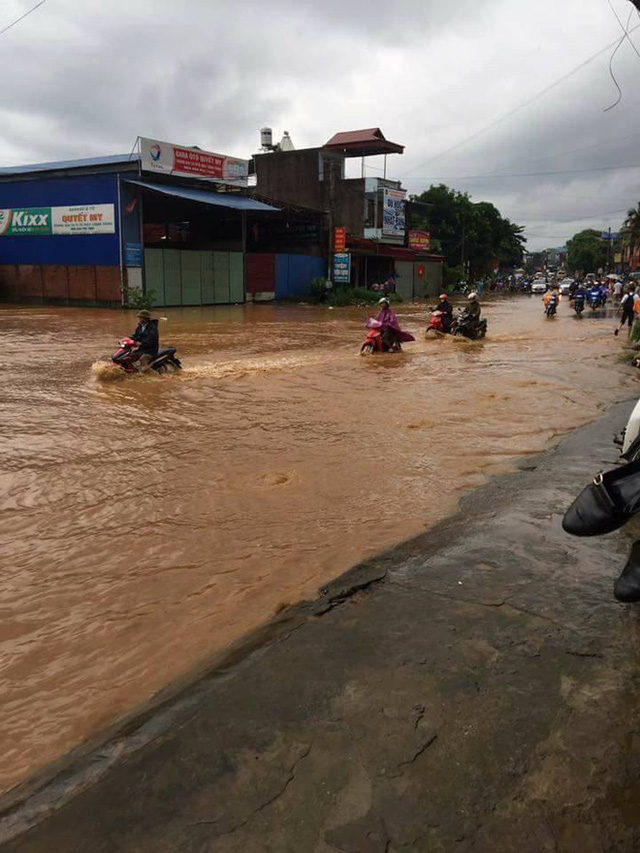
<point x="194" y="244"/>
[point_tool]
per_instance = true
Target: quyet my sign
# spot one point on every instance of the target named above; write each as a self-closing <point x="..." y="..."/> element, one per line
<point x="169" y="159"/>
<point x="79" y="219"/>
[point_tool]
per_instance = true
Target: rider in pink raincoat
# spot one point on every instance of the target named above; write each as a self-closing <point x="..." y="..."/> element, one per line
<point x="389" y="325"/>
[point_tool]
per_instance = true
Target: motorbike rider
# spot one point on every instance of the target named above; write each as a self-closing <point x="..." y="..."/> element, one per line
<point x="389" y="326"/>
<point x="146" y="335"/>
<point x="473" y="311"/>
<point x="552" y="293"/>
<point x="446" y="308"/>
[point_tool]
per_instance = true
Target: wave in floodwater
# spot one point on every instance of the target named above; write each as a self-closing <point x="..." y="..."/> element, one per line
<point x="141" y="533"/>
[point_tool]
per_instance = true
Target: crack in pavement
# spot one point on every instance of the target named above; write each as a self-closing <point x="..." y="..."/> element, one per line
<point x="291" y="776"/>
<point x="425" y="746"/>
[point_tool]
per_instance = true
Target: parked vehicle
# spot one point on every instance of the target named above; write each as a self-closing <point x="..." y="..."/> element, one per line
<point x="629" y="439"/>
<point x="127" y="357"/>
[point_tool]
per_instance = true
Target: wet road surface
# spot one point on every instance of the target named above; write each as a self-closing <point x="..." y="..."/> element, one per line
<point x="147" y="523"/>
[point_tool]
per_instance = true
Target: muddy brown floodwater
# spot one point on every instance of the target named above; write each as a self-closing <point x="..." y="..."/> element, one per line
<point x="149" y="522"/>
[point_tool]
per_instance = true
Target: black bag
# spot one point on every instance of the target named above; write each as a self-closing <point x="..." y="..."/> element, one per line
<point x="605" y="504"/>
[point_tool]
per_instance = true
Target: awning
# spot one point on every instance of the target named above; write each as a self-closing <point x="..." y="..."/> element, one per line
<point x="236" y="202"/>
<point x="385" y="250"/>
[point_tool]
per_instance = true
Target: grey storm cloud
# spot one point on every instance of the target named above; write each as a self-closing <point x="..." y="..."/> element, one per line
<point x="83" y="79"/>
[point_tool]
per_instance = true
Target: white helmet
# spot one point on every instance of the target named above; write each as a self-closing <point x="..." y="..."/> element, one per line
<point x="472" y="296"/>
<point x="383" y="300"/>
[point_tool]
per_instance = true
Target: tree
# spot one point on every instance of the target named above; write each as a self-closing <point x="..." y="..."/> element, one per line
<point x="469" y="233"/>
<point x="587" y="251"/>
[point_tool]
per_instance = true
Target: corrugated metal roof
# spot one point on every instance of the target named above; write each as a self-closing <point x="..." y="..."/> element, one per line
<point x="363" y="143"/>
<point x="237" y="202"/>
<point x="370" y="134"/>
<point x="87" y="162"/>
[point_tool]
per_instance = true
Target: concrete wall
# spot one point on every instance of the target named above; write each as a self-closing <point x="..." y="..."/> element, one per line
<point x="295" y="177"/>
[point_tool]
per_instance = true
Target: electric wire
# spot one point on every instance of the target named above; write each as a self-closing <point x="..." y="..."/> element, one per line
<point x="624" y="29"/>
<point x="491" y="176"/>
<point x="22" y="17"/>
<point x="521" y="106"/>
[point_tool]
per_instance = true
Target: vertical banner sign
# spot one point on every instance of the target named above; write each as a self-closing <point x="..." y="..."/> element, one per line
<point x="169" y="159"/>
<point x="393" y="212"/>
<point x="342" y="268"/>
<point x="339" y="240"/>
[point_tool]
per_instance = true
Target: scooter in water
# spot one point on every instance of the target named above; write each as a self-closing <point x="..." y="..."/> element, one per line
<point x="578" y="305"/>
<point x="127" y="356"/>
<point x="551" y="308"/>
<point x="374" y="342"/>
<point x="436" y="323"/>
<point x="594" y="298"/>
<point x="464" y="326"/>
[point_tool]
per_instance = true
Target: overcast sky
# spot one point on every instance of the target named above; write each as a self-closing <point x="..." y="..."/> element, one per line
<point x="86" y="78"/>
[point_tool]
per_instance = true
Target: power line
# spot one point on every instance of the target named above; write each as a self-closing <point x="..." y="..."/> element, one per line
<point x="22" y="17"/>
<point x="492" y="176"/>
<point x="624" y="29"/>
<point x="578" y="150"/>
<point x="512" y="112"/>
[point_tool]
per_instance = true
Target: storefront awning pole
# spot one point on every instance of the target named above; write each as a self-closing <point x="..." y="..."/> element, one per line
<point x="243" y="219"/>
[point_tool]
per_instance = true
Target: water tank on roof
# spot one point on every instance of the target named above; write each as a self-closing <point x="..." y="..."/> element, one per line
<point x="266" y="138"/>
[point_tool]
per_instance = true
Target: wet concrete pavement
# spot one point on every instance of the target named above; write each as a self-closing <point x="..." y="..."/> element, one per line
<point x="476" y="689"/>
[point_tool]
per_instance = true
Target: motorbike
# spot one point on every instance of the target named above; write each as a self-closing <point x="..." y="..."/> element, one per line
<point x="629" y="438"/>
<point x="594" y="298"/>
<point x="436" y="323"/>
<point x="551" y="308"/>
<point x="578" y="305"/>
<point x="127" y="357"/>
<point x="464" y="326"/>
<point x="374" y="342"/>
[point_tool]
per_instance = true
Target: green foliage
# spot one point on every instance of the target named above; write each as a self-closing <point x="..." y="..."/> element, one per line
<point x="452" y="275"/>
<point x="318" y="287"/>
<point x="587" y="251"/>
<point x="137" y="299"/>
<point x="631" y="227"/>
<point x="470" y="232"/>
<point x="342" y="296"/>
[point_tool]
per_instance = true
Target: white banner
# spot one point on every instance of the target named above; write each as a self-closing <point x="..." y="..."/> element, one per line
<point x="84" y="219"/>
<point x="169" y="159"/>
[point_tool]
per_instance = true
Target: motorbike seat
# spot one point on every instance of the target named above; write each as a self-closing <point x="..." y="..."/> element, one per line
<point x="166" y="351"/>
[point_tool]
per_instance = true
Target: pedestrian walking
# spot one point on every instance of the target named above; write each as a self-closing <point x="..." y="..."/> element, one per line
<point x="627" y="313"/>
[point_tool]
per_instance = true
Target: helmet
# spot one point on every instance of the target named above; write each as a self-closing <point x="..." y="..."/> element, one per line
<point x="384" y="301"/>
<point x="472" y="296"/>
<point x="144" y="314"/>
<point x="444" y="296"/>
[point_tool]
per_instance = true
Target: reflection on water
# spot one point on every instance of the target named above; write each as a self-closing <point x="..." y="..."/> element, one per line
<point x="149" y="521"/>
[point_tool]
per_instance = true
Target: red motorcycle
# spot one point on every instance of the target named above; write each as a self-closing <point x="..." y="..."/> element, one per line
<point x="127" y="357"/>
<point x="374" y="342"/>
<point x="436" y="323"/>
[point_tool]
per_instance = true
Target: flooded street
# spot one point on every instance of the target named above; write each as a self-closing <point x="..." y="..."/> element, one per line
<point x="149" y="522"/>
